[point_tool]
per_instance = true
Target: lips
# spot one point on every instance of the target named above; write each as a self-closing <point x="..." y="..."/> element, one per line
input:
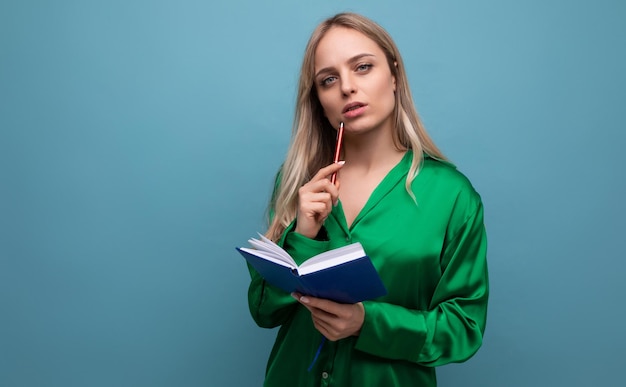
<point x="354" y="109"/>
<point x="352" y="106"/>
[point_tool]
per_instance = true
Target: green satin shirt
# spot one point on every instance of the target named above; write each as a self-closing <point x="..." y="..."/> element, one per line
<point x="431" y="257"/>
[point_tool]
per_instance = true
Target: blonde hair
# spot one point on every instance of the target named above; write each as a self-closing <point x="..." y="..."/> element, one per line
<point x="312" y="141"/>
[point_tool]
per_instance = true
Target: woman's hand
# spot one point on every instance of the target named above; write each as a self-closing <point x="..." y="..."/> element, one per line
<point x="334" y="321"/>
<point x="315" y="201"/>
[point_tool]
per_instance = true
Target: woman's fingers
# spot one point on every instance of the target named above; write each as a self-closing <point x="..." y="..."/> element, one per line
<point x="308" y="199"/>
<point x="328" y="170"/>
<point x="321" y="183"/>
<point x="324" y="329"/>
<point x="333" y="320"/>
<point x="315" y="201"/>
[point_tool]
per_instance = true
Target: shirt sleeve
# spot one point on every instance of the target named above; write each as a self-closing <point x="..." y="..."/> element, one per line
<point x="451" y="330"/>
<point x="269" y="305"/>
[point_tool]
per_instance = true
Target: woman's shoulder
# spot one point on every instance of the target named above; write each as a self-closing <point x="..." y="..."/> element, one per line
<point x="447" y="180"/>
<point x="446" y="172"/>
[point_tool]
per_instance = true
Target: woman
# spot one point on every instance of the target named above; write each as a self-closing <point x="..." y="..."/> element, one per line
<point x="417" y="217"/>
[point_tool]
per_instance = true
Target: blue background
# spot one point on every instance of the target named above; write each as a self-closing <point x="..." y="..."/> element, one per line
<point x="139" y="140"/>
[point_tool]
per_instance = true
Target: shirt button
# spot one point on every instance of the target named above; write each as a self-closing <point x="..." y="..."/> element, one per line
<point x="347" y="239"/>
<point x="324" y="375"/>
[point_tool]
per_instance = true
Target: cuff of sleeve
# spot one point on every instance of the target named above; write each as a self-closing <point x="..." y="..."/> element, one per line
<point x="430" y="320"/>
<point x="302" y="248"/>
<point x="392" y="332"/>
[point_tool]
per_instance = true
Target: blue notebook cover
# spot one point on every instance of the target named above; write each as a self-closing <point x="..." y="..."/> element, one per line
<point x="350" y="282"/>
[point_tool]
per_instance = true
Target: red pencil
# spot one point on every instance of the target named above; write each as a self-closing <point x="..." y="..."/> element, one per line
<point x="333" y="178"/>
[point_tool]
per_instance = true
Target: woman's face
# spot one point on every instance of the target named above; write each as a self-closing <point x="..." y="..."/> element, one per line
<point x="353" y="81"/>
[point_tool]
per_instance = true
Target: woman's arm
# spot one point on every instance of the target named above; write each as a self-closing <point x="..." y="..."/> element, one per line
<point x="270" y="306"/>
<point x="451" y="330"/>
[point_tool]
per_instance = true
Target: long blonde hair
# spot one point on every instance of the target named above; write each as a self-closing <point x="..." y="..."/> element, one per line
<point x="312" y="141"/>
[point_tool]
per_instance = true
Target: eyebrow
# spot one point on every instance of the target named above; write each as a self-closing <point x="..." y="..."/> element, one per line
<point x="355" y="58"/>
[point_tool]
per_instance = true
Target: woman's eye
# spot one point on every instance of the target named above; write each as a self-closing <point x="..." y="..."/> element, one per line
<point x="327" y="81"/>
<point x="364" y="67"/>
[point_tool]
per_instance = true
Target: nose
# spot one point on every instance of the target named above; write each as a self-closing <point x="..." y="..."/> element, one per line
<point x="348" y="85"/>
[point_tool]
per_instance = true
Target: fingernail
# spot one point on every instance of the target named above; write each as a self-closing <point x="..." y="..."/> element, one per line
<point x="304" y="300"/>
<point x="294" y="295"/>
<point x="342" y="162"/>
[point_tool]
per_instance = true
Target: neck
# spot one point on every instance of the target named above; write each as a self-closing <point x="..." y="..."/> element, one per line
<point x="371" y="150"/>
